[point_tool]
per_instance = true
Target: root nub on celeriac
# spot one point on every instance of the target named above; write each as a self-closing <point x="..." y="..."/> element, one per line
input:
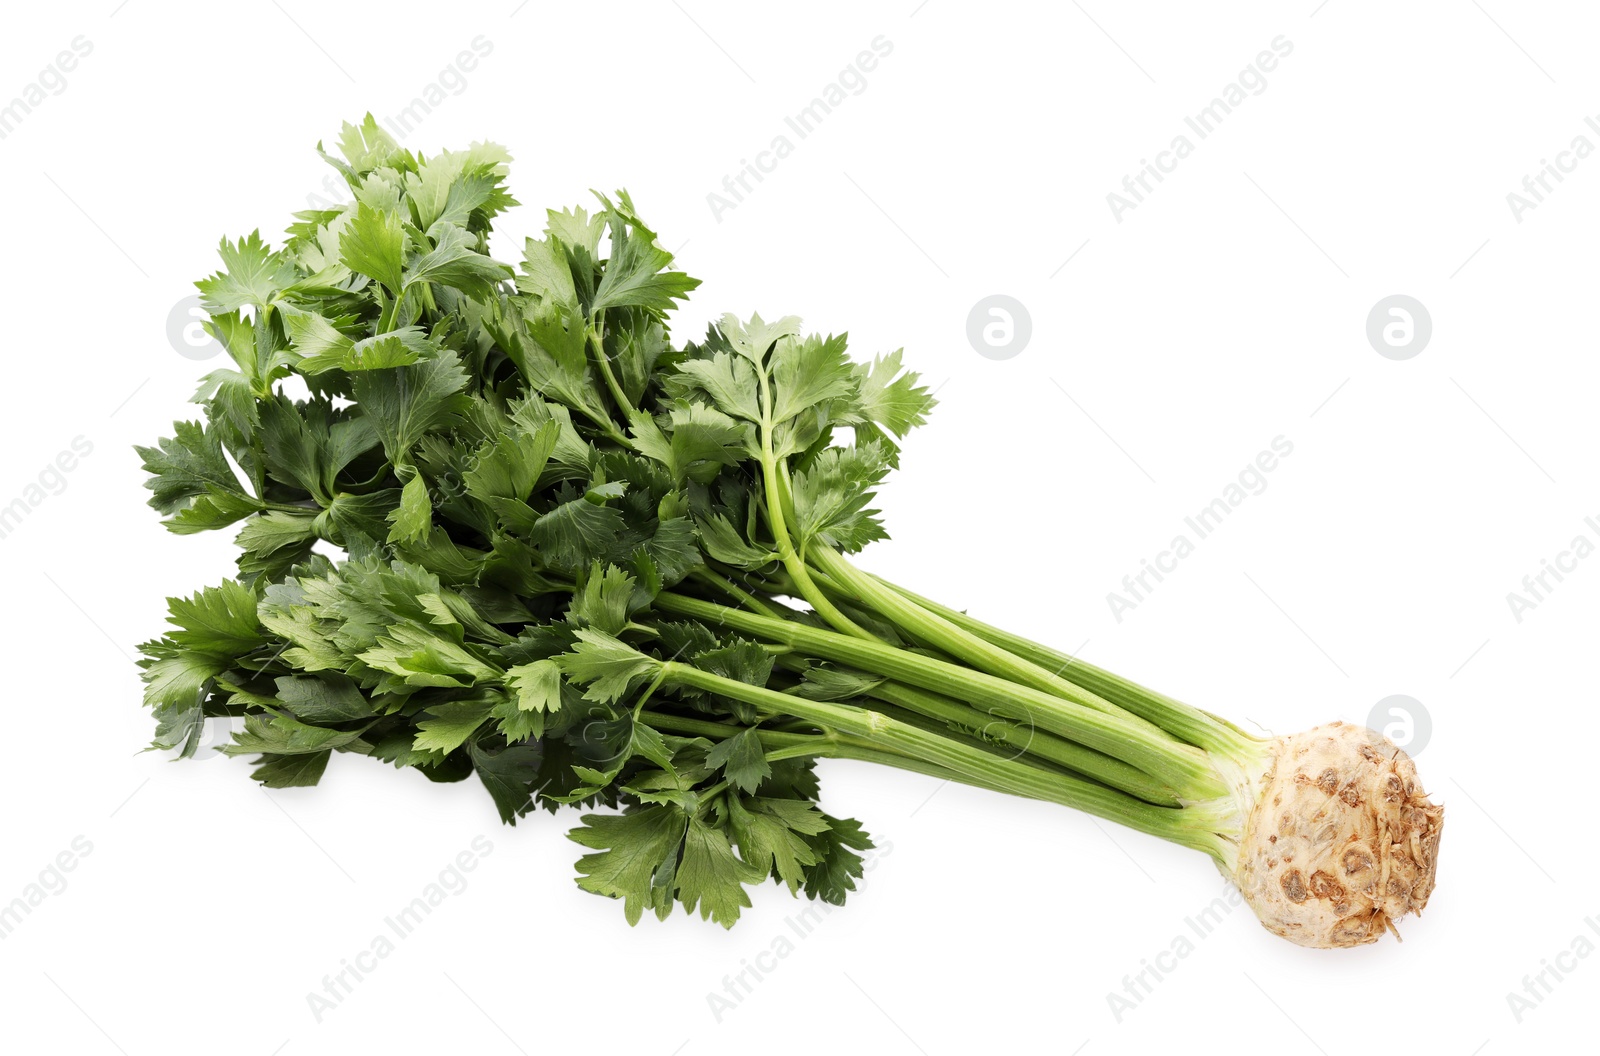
<point x="1342" y="840"/>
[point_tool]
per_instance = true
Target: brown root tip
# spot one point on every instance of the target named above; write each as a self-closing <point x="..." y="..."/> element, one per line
<point x="1341" y="842"/>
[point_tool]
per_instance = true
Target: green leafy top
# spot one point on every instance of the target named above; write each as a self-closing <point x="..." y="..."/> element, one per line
<point x="460" y="488"/>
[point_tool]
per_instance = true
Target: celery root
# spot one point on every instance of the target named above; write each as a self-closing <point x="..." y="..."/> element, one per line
<point x="593" y="567"/>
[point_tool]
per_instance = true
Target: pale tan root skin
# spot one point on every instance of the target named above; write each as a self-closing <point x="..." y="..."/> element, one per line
<point x="1341" y="840"/>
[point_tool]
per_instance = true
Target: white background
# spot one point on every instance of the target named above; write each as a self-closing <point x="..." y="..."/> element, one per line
<point x="1227" y="309"/>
